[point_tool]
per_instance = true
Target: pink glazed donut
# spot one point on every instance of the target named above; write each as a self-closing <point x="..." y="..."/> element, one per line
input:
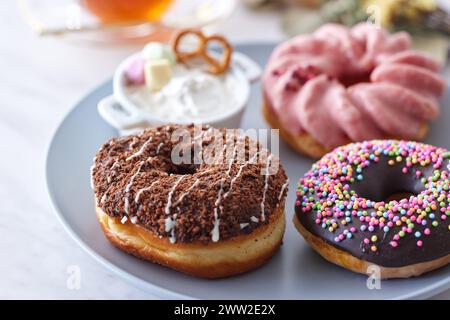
<point x="341" y="84"/>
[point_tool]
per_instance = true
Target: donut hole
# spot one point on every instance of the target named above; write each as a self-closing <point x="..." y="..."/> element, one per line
<point x="183" y="169"/>
<point x="350" y="80"/>
<point x="399" y="196"/>
<point x="383" y="182"/>
<point x="389" y="195"/>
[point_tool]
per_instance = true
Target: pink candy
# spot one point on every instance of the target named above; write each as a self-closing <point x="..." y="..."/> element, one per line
<point x="134" y="72"/>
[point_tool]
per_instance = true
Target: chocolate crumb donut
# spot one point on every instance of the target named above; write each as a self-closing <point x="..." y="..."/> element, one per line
<point x="383" y="202"/>
<point x="203" y="201"/>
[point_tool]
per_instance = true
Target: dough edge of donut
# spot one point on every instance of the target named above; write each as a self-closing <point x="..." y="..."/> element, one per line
<point x="213" y="260"/>
<point x="350" y="262"/>
<point x="304" y="143"/>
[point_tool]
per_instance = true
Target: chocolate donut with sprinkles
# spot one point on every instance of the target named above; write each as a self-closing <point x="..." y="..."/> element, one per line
<point x="216" y="213"/>
<point x="382" y="202"/>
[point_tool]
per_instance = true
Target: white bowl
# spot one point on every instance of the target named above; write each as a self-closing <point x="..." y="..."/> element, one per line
<point x="124" y="115"/>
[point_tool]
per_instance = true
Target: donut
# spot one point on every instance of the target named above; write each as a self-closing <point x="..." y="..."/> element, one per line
<point x="340" y="85"/>
<point x="203" y="201"/>
<point x="382" y="203"/>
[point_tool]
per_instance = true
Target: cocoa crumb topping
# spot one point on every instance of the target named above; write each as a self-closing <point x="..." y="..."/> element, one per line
<point x="203" y="201"/>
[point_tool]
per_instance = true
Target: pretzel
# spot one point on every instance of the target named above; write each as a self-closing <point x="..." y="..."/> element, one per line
<point x="217" y="65"/>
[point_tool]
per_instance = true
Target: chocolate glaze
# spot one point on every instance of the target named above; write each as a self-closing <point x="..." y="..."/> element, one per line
<point x="380" y="181"/>
<point x="187" y="193"/>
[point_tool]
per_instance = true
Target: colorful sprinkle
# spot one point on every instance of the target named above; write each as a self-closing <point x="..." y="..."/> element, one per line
<point x="326" y="191"/>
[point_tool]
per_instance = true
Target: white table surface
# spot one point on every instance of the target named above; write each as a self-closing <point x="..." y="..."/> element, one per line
<point x="40" y="80"/>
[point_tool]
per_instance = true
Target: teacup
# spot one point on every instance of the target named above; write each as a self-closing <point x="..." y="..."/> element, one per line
<point x="122" y="111"/>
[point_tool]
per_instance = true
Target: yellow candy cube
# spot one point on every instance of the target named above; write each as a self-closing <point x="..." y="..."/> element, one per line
<point x="157" y="74"/>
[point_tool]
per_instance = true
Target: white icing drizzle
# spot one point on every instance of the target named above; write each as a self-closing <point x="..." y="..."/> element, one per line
<point x="172" y="238"/>
<point x="112" y="168"/>
<point x="92" y="176"/>
<point x="128" y="187"/>
<point x="282" y="189"/>
<point x="244" y="225"/>
<point x="169" y="197"/>
<point x="134" y="219"/>
<point x="141" y="150"/>
<point x="105" y="195"/>
<point x="219" y="195"/>
<point x="159" y="147"/>
<point x="239" y="173"/>
<point x="140" y="191"/>
<point x="222" y="181"/>
<point x="187" y="192"/>
<point x="215" y="233"/>
<point x="114" y="165"/>
<point x="254" y="219"/>
<point x="94" y="159"/>
<point x="124" y="219"/>
<point x="266" y="186"/>
<point x="126" y="205"/>
<point x="205" y="172"/>
<point x="133" y="143"/>
<point x="170" y="224"/>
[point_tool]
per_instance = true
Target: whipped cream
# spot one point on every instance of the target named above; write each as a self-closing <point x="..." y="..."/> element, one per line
<point x="190" y="95"/>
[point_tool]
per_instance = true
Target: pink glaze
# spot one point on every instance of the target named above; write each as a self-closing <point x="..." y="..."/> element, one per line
<point x="399" y="91"/>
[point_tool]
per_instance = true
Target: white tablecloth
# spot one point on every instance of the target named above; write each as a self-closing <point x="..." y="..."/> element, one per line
<point x="41" y="79"/>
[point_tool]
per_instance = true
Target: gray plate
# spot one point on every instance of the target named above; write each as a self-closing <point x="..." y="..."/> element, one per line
<point x="296" y="271"/>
